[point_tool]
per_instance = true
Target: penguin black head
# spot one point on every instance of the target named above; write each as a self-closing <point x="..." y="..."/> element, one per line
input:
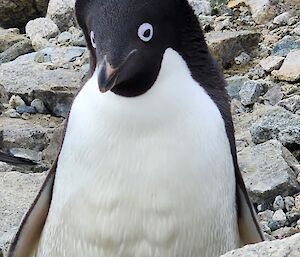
<point x="127" y="40"/>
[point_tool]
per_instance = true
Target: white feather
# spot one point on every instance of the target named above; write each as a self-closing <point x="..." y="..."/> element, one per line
<point x="144" y="176"/>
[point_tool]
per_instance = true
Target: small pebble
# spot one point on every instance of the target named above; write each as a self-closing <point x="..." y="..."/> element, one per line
<point x="12" y="113"/>
<point x="273" y="225"/>
<point x="39" y="106"/>
<point x="242" y="59"/>
<point x="265" y="215"/>
<point x="278" y="203"/>
<point x="25" y="116"/>
<point x="280" y="217"/>
<point x="289" y="203"/>
<point x="16" y="101"/>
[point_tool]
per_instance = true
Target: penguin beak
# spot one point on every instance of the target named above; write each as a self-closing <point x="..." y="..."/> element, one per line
<point x="108" y="76"/>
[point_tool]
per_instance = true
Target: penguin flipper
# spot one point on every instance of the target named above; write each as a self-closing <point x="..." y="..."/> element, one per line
<point x="25" y="242"/>
<point x="249" y="229"/>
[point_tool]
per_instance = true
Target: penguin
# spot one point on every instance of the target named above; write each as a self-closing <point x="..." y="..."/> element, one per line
<point x="148" y="163"/>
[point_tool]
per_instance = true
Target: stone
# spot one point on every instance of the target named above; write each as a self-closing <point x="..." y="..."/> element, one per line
<point x="280" y="217"/>
<point x="285" y="45"/>
<point x="278" y="203"/>
<point x="282" y="19"/>
<point x="271" y="63"/>
<point x="9" y="37"/>
<point x="24" y="10"/>
<point x="288" y="247"/>
<point x="201" y="6"/>
<point x="250" y="92"/>
<point x="64" y="38"/>
<point x="18" y="49"/>
<point x="39" y="43"/>
<point x="265" y="215"/>
<point x="242" y="59"/>
<point x="289" y="203"/>
<point x="62" y="12"/>
<point x="262" y="11"/>
<point x="3" y="95"/>
<point x="56" y="88"/>
<point x="17" y="192"/>
<point x="43" y="27"/>
<point x="284" y="232"/>
<point x="225" y="46"/>
<point x="290" y="69"/>
<point x="273" y="95"/>
<point x="12" y="113"/>
<point x="26" y="109"/>
<point x="256" y="73"/>
<point x="16" y="101"/>
<point x="277" y="123"/>
<point x="291" y="104"/>
<point x="268" y="169"/>
<point x="39" y="106"/>
<point x="297" y="30"/>
<point x="234" y="85"/>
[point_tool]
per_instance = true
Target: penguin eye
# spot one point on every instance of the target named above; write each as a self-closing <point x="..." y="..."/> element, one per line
<point x="93" y="39"/>
<point x="145" y="32"/>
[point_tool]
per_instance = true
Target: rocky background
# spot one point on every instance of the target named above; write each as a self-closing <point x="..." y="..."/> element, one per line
<point x="43" y="58"/>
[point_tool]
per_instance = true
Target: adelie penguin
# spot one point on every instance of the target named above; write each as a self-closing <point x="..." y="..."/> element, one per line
<point x="148" y="163"/>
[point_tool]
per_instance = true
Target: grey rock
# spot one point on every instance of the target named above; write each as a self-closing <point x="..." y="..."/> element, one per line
<point x="235" y="84"/>
<point x="39" y="106"/>
<point x="285" y="45"/>
<point x="291" y="104"/>
<point x="262" y="11"/>
<point x="64" y="38"/>
<point x="62" y="12"/>
<point x="42" y="57"/>
<point x="278" y="203"/>
<point x="277" y="123"/>
<point x="26" y="153"/>
<point x="18" y="49"/>
<point x="242" y="59"/>
<point x="289" y="203"/>
<point x="225" y="46"/>
<point x="284" y="232"/>
<point x="286" y="247"/>
<point x="56" y="88"/>
<point x="16" y="101"/>
<point x="265" y="215"/>
<point x="250" y="92"/>
<point x="12" y="113"/>
<point x="256" y="73"/>
<point x="201" y="6"/>
<point x="282" y="19"/>
<point x="280" y="217"/>
<point x="3" y="95"/>
<point x="290" y="69"/>
<point x="273" y="95"/>
<point x="43" y="27"/>
<point x="26" y="109"/>
<point x="271" y="63"/>
<point x="268" y="171"/>
<point x="24" y="10"/>
<point x="39" y="43"/>
<point x="273" y="225"/>
<point x="297" y="30"/>
<point x="264" y="226"/>
<point x="9" y="37"/>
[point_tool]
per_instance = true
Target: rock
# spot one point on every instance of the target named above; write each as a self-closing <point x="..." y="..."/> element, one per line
<point x="280" y="217"/>
<point x="256" y="73"/>
<point x="17" y="192"/>
<point x="26" y="109"/>
<point x="39" y="43"/>
<point x="290" y="69"/>
<point x="235" y="84"/>
<point x="18" y="49"/>
<point x="16" y="101"/>
<point x="277" y="123"/>
<point x="9" y="37"/>
<point x="282" y="19"/>
<point x="278" y="203"/>
<point x="273" y="95"/>
<point x="262" y="10"/>
<point x="3" y="95"/>
<point x="77" y="38"/>
<point x="24" y="10"/>
<point x="285" y="45"/>
<point x="12" y="113"/>
<point x="201" y="6"/>
<point x="265" y="215"/>
<point x="33" y="134"/>
<point x="297" y="30"/>
<point x="64" y="38"/>
<point x="39" y="106"/>
<point x="26" y="153"/>
<point x="250" y="92"/>
<point x="225" y="46"/>
<point x="242" y="59"/>
<point x="268" y="169"/>
<point x="271" y="63"/>
<point x="56" y="88"/>
<point x="291" y="104"/>
<point x="288" y="247"/>
<point x="43" y="27"/>
<point x="62" y="12"/>
<point x="284" y="232"/>
<point x="289" y="203"/>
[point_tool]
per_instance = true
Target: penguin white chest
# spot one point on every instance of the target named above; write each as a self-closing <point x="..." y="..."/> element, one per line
<point x="144" y="176"/>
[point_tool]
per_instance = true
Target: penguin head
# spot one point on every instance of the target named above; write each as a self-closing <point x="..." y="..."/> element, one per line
<point x="127" y="40"/>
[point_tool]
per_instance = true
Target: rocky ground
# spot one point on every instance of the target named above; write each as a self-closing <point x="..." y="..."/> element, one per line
<point x="258" y="44"/>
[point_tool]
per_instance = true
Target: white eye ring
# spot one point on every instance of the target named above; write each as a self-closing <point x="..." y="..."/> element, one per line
<point x="145" y="27"/>
<point x="93" y="39"/>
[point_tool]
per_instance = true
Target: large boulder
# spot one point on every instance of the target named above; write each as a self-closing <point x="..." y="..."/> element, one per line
<point x="18" y="13"/>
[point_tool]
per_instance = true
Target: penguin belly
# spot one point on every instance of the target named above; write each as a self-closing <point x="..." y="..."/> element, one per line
<point x="143" y="177"/>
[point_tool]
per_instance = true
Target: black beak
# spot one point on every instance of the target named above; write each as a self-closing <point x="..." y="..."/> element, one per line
<point x="108" y="76"/>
